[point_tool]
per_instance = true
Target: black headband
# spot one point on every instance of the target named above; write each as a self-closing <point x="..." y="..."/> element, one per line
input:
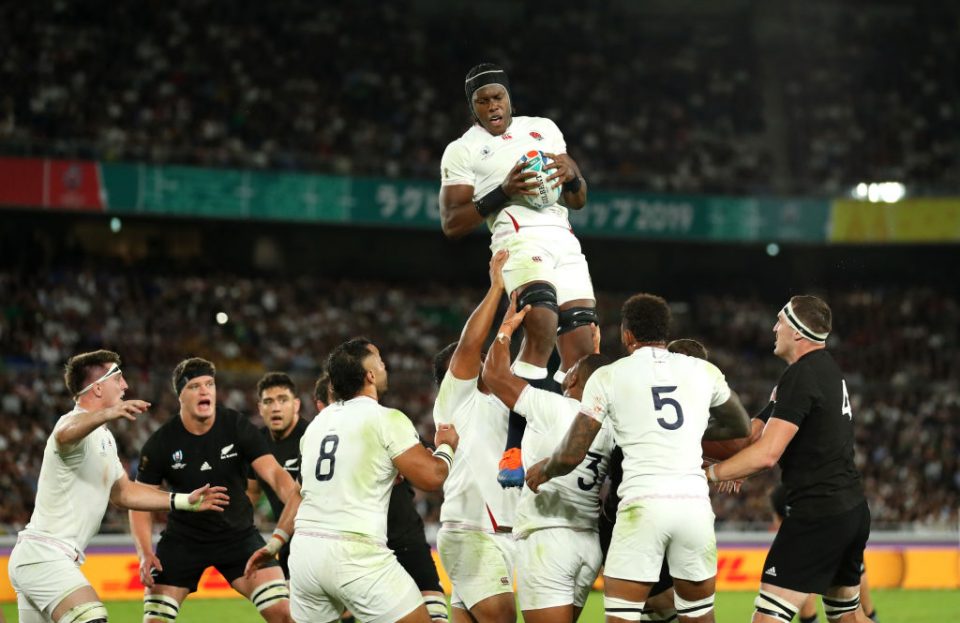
<point x="188" y="376"/>
<point x="482" y="79"/>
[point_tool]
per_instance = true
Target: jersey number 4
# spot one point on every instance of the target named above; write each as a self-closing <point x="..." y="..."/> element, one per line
<point x="327" y="460"/>
<point x="659" y="402"/>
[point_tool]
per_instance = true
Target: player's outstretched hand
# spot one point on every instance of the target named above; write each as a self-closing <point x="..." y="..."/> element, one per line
<point x="496" y="268"/>
<point x="128" y="409"/>
<point x="536" y="475"/>
<point x="259" y="558"/>
<point x="518" y="182"/>
<point x="447" y="434"/>
<point x="514" y="317"/>
<point x="729" y="486"/>
<point x="563" y="170"/>
<point x="210" y="498"/>
<point x="148" y="563"/>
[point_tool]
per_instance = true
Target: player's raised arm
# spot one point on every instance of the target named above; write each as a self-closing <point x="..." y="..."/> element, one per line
<point x="74" y="427"/>
<point x="428" y="471"/>
<point x="465" y="361"/>
<point x="496" y="369"/>
<point x="138" y="496"/>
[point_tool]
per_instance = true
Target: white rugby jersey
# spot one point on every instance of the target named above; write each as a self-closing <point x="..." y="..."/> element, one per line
<point x="658" y="403"/>
<point x="74" y="487"/>
<point x="347" y="467"/>
<point x="482" y="160"/>
<point x="472" y="497"/>
<point x="570" y="501"/>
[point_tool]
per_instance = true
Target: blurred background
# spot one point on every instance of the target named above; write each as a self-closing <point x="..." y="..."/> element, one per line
<point x="256" y="182"/>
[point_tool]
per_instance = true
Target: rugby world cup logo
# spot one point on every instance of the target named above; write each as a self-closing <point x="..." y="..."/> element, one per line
<point x="178" y="460"/>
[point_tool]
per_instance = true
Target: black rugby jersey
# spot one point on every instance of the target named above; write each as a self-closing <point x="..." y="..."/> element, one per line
<point x="220" y="456"/>
<point x="819" y="472"/>
<point x="287" y="453"/>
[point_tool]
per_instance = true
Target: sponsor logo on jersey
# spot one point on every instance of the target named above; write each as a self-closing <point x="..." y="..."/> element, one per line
<point x="536" y="258"/>
<point x="227" y="452"/>
<point x="178" y="460"/>
<point x="772" y="572"/>
<point x="537" y="136"/>
<point x="205" y="467"/>
<point x="506" y="136"/>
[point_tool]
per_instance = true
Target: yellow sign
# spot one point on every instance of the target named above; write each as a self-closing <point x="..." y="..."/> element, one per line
<point x="911" y="220"/>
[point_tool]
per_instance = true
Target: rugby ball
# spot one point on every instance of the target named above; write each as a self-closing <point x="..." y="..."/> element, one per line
<point x="716" y="451"/>
<point x="536" y="162"/>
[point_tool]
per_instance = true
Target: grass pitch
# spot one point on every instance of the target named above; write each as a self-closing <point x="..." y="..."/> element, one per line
<point x="893" y="605"/>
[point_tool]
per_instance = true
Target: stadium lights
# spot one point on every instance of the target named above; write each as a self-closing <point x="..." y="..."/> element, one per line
<point x="115" y="225"/>
<point x="222" y="318"/>
<point x="879" y="192"/>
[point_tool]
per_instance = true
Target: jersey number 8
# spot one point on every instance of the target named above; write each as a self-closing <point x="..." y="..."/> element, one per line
<point x="328" y="450"/>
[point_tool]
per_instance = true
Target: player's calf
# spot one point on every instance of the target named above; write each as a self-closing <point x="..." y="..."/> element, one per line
<point x="160" y="608"/>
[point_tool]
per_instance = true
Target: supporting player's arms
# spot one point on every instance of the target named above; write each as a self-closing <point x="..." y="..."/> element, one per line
<point x="275" y="476"/>
<point x="759" y="456"/>
<point x="728" y="421"/>
<point x="425" y="470"/>
<point x="73" y="428"/>
<point x="568" y="454"/>
<point x="465" y="362"/>
<point x="137" y="496"/>
<point x="496" y="368"/>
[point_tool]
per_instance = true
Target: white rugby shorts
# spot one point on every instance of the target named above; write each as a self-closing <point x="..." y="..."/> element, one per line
<point x="42" y="574"/>
<point x="546" y="253"/>
<point x="556" y="567"/>
<point x="329" y="574"/>
<point x="647" y="529"/>
<point x="480" y="564"/>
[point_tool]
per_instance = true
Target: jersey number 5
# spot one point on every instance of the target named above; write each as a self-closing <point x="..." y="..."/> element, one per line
<point x="328" y="450"/>
<point x="659" y="402"/>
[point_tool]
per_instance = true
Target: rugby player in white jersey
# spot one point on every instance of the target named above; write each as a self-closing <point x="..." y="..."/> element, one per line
<point x="351" y="457"/>
<point x="481" y="182"/>
<point x="558" y="547"/>
<point x="659" y="404"/>
<point x="475" y="540"/>
<point x="79" y="475"/>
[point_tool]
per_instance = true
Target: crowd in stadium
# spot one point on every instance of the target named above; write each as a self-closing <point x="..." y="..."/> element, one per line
<point x="294" y="85"/>
<point x="895" y="346"/>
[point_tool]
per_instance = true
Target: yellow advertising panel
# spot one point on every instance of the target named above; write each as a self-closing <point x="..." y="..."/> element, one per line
<point x="911" y="220"/>
<point x="115" y="576"/>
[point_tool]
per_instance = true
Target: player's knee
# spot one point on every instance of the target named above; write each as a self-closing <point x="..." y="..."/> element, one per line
<point x="622" y="608"/>
<point x="774" y="606"/>
<point x="269" y="594"/>
<point x="436" y="608"/>
<point x="836" y="607"/>
<point x="576" y="317"/>
<point x="693" y="608"/>
<point x="89" y="612"/>
<point x="539" y="295"/>
<point x="160" y="608"/>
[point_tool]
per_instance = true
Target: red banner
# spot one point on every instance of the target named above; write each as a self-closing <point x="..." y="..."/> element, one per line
<point x="58" y="184"/>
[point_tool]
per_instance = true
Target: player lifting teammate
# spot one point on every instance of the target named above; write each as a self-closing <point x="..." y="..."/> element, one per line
<point x="482" y="182"/>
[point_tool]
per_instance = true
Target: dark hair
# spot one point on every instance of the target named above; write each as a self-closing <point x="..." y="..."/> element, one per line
<point x="647" y="316"/>
<point x="469" y="89"/>
<point x="321" y="391"/>
<point x="275" y="379"/>
<point x="441" y="362"/>
<point x="190" y="369"/>
<point x="80" y="370"/>
<point x="345" y="367"/>
<point x="688" y="347"/>
<point x="590" y="364"/>
<point x="813" y="312"/>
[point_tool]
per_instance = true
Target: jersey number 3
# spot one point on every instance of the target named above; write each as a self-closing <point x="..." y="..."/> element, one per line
<point x="327" y="460"/>
<point x="659" y="402"/>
